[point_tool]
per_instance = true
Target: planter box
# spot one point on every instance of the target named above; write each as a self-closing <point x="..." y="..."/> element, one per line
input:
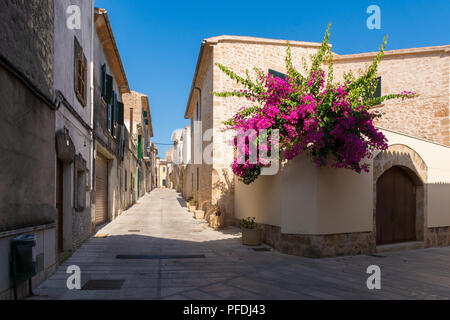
<point x="199" y="214"/>
<point x="251" y="237"/>
<point x="214" y="222"/>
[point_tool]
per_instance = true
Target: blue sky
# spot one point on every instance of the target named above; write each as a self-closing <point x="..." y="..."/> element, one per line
<point x="159" y="40"/>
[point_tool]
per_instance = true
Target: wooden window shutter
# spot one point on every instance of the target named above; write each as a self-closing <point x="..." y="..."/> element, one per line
<point x="103" y="79"/>
<point x="116" y="109"/>
<point x="80" y="73"/>
<point x="76" y="55"/>
<point x="139" y="147"/>
<point x="109" y="88"/>
<point x="113" y="113"/>
<point x="121" y="111"/>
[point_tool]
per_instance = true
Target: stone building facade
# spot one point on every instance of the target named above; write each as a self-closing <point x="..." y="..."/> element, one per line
<point x="73" y="54"/>
<point x="213" y="180"/>
<point x="65" y="145"/>
<point x="138" y="122"/>
<point x="110" y="83"/>
<point x="27" y="127"/>
<point x="416" y="129"/>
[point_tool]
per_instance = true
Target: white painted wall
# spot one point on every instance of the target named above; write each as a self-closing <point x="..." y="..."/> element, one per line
<point x="303" y="199"/>
<point x="437" y="159"/>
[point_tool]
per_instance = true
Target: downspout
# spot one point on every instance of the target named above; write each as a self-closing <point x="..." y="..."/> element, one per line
<point x="199" y="129"/>
<point x="91" y="171"/>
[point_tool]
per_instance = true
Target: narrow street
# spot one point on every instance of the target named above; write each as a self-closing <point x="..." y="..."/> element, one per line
<point x="156" y="250"/>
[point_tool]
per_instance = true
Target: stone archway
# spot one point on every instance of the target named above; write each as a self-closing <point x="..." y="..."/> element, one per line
<point x="410" y="162"/>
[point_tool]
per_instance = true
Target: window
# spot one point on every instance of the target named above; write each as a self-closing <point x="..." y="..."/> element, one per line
<point x="120" y="117"/>
<point x="277" y="74"/>
<point x="80" y="182"/>
<point x="80" y="73"/>
<point x="377" y="92"/>
<point x="108" y="88"/>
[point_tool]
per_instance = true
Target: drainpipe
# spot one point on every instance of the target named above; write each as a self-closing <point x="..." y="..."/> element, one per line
<point x="131" y="124"/>
<point x="91" y="171"/>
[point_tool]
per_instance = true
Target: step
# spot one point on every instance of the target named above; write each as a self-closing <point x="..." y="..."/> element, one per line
<point x="411" y="245"/>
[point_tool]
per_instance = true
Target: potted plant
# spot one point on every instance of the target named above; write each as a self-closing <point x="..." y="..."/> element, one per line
<point x="192" y="205"/>
<point x="251" y="236"/>
<point x="199" y="214"/>
<point x="214" y="219"/>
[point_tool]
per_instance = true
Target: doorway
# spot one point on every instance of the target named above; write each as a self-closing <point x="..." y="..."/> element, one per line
<point x="395" y="207"/>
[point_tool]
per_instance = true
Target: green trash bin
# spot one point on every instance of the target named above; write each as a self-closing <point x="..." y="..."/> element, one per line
<point x="23" y="260"/>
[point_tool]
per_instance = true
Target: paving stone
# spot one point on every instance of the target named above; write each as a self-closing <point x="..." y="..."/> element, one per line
<point x="229" y="269"/>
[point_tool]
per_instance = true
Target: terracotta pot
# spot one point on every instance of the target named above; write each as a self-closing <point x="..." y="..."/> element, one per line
<point x="251" y="237"/>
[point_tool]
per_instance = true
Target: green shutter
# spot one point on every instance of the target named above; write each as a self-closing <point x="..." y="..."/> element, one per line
<point x="103" y="79"/>
<point x="120" y="115"/>
<point x="109" y="88"/>
<point x="139" y="147"/>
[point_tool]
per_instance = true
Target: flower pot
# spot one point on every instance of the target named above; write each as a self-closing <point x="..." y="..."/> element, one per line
<point x="199" y="214"/>
<point x="214" y="222"/>
<point x="251" y="237"/>
<point x="192" y="208"/>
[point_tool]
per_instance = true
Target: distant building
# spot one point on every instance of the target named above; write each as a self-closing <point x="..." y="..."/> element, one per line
<point x="319" y="212"/>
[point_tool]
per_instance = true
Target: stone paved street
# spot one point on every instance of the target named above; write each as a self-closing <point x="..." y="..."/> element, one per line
<point x="160" y="225"/>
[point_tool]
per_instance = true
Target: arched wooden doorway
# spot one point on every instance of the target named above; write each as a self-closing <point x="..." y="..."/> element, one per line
<point x="395" y="207"/>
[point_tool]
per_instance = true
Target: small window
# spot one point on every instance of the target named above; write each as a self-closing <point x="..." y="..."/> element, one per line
<point x="81" y="190"/>
<point x="80" y="183"/>
<point x="80" y="72"/>
<point x="277" y="74"/>
<point x="377" y="92"/>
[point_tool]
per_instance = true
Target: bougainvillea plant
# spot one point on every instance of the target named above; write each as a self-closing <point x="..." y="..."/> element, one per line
<point x="332" y="121"/>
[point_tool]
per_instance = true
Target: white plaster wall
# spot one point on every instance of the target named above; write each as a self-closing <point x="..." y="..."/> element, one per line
<point x="303" y="199"/>
<point x="437" y="159"/>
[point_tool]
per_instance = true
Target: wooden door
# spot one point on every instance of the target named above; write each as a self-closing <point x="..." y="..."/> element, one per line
<point x="395" y="207"/>
<point x="101" y="189"/>
<point x="59" y="202"/>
